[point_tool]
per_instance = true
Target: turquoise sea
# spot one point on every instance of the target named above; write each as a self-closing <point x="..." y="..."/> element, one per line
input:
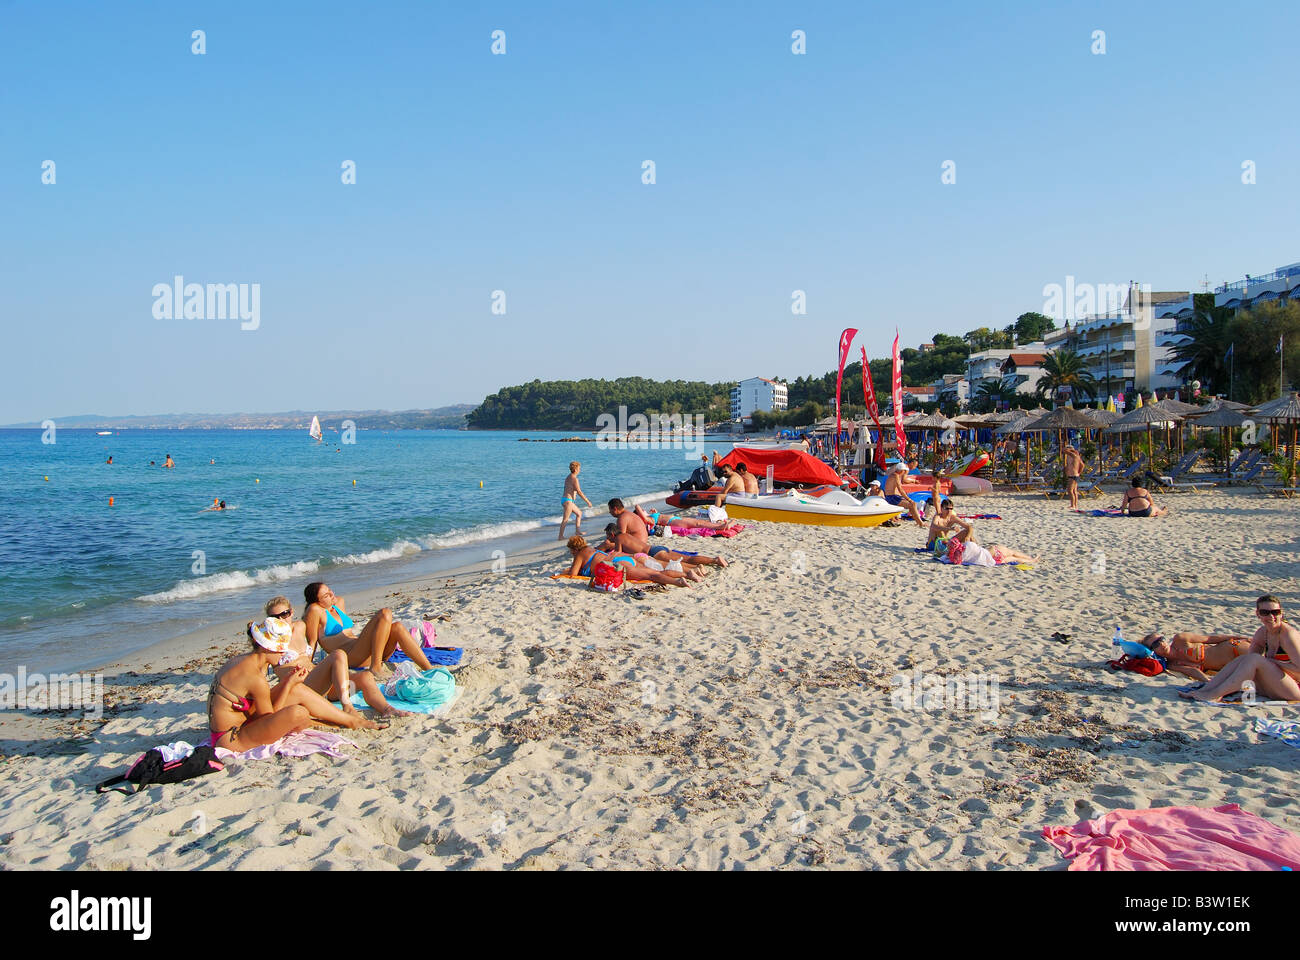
<point x="82" y="583"/>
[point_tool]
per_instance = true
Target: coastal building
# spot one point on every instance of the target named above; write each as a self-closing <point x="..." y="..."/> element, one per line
<point x="1022" y="370"/>
<point x="952" y="391"/>
<point x="914" y="396"/>
<point x="1281" y="284"/>
<point x="757" y="394"/>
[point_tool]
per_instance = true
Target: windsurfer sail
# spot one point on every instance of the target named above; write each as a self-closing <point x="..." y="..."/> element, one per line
<point x="315" y="429"/>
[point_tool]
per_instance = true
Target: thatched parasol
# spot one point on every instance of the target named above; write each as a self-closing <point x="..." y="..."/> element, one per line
<point x="1144" y="418"/>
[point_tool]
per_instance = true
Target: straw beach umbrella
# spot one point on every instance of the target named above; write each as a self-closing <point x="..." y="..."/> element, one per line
<point x="1143" y="417"/>
<point x="1062" y="419"/>
<point x="1285" y="410"/>
<point x="1227" y="421"/>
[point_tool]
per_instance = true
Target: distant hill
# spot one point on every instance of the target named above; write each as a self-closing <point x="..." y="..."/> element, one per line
<point x="575" y="404"/>
<point x="440" y="418"/>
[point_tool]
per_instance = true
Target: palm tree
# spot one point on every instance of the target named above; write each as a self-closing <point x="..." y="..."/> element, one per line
<point x="1204" y="354"/>
<point x="988" y="395"/>
<point x="1064" y="368"/>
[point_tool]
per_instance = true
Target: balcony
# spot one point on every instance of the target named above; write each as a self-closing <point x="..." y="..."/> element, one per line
<point x="1117" y="347"/>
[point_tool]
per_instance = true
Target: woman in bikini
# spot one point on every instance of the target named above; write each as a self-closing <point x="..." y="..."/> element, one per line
<point x="1138" y="502"/>
<point x="1262" y="665"/>
<point x="1197" y="655"/>
<point x="586" y="557"/>
<point x="243" y="712"/>
<point x="330" y="678"/>
<point x="660" y="558"/>
<point x="656" y="521"/>
<point x="328" y="624"/>
<point x="572" y="491"/>
<point x="963" y="549"/>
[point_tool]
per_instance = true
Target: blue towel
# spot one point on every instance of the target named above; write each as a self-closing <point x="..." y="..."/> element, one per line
<point x="439" y="658"/>
<point x="1288" y="731"/>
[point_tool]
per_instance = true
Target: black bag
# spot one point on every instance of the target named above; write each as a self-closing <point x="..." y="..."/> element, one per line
<point x="152" y="768"/>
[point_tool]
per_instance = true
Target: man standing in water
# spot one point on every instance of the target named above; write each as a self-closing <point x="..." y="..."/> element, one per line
<point x="572" y="490"/>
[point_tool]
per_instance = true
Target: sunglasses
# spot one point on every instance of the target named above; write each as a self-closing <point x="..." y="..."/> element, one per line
<point x="1270" y="612"/>
<point x="282" y="614"/>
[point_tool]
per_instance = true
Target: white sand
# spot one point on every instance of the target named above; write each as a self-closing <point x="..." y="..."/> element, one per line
<point x="743" y="723"/>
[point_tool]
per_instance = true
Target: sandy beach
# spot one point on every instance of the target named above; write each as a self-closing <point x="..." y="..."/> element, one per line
<point x="753" y="721"/>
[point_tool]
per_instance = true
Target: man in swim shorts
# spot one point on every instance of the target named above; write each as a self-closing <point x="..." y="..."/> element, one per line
<point x="894" y="493"/>
<point x="633" y="537"/>
<point x="732" y="483"/>
<point x="1073" y="470"/>
<point x="1197" y="655"/>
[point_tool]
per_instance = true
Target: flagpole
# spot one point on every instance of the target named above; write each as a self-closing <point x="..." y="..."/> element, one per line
<point x="1281" y="355"/>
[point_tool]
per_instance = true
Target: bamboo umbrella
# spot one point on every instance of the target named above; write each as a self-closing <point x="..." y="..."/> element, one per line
<point x="1015" y="428"/>
<point x="1141" y="417"/>
<point x="1104" y="419"/>
<point x="1284" y="410"/>
<point x="933" y="421"/>
<point x="1180" y="409"/>
<point x="1227" y="421"/>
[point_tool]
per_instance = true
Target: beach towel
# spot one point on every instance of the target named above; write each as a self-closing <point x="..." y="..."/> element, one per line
<point x="979" y="516"/>
<point x="1111" y="512"/>
<point x="1288" y="731"/>
<point x="1177" y="838"/>
<point x="576" y="577"/>
<point x="301" y="744"/>
<point x="705" y="531"/>
<point x="441" y="710"/>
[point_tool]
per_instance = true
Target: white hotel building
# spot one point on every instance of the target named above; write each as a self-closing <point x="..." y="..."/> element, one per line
<point x="757" y="394"/>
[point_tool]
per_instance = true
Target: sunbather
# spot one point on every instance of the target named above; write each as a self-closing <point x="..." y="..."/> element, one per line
<point x="1138" y="502"/>
<point x="1197" y="655"/>
<point x="1271" y="664"/>
<point x="731" y="483"/>
<point x="331" y="678"/>
<point x="329" y="625"/>
<point x="963" y="549"/>
<point x="895" y="494"/>
<point x="942" y="526"/>
<point x="587" y="557"/>
<point x="656" y="521"/>
<point x="243" y="711"/>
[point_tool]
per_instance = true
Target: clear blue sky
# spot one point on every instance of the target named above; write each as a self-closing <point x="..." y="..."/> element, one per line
<point x="522" y="173"/>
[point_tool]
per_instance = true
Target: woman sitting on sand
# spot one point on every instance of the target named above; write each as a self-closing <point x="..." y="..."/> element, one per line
<point x="1138" y="502"/>
<point x="331" y="677"/>
<point x="329" y="625"/>
<point x="1262" y="665"/>
<point x="585" y="559"/>
<point x="244" y="712"/>
<point x="1196" y="655"/>
<point x="962" y="548"/>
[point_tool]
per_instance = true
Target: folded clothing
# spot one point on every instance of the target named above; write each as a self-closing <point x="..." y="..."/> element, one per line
<point x="1177" y="838"/>
<point x="301" y="744"/>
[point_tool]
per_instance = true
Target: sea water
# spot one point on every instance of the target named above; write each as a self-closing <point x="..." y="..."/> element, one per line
<point x="82" y="582"/>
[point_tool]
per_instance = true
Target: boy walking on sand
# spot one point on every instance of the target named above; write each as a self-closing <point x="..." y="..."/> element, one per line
<point x="573" y="490"/>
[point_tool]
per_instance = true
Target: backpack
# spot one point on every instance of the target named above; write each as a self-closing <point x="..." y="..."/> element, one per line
<point x="152" y="767"/>
<point x="1147" y="666"/>
<point x="607" y="576"/>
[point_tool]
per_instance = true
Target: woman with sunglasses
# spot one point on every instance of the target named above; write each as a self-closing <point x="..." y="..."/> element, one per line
<point x="1197" y="655"/>
<point x="328" y="624"/>
<point x="962" y="548"/>
<point x="329" y="678"/>
<point x="1272" y="664"/>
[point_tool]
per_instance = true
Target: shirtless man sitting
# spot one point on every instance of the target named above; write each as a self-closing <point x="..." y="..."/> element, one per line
<point x="633" y="537"/>
<point x="1197" y="655"/>
<point x="1261" y="666"/>
<point x="732" y="483"/>
<point x="1138" y="502"/>
<point x="748" y="479"/>
<point x="944" y="524"/>
<point x="894" y="493"/>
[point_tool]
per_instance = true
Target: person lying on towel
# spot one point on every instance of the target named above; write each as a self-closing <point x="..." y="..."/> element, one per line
<point x="656" y="521"/>
<point x="1270" y="677"/>
<point x="585" y="559"/>
<point x="660" y="557"/>
<point x="1197" y="655"/>
<point x="962" y="549"/>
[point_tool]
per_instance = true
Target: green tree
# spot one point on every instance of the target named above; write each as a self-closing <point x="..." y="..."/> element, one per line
<point x="1064" y="368"/>
<point x="1205" y="355"/>
<point x="1031" y="327"/>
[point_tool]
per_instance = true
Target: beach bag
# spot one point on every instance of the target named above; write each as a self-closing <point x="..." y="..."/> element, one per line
<point x="1147" y="666"/>
<point x="607" y="577"/>
<point x="153" y="767"/>
<point x="431" y="688"/>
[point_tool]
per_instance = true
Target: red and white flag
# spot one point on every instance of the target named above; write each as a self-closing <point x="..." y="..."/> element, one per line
<point x="846" y="341"/>
<point x="869" y="398"/>
<point x="900" y="435"/>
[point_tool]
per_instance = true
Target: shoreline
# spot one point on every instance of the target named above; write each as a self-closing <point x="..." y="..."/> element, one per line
<point x="753" y="721"/>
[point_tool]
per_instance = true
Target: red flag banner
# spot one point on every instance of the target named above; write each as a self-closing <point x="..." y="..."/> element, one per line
<point x="846" y="341"/>
<point x="900" y="435"/>
<point x="869" y="398"/>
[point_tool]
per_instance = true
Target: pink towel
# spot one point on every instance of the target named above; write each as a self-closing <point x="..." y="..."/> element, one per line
<point x="707" y="532"/>
<point x="1177" y="838"/>
<point x="301" y="744"/>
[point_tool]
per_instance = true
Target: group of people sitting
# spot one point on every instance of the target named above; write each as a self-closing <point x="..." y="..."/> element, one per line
<point x="627" y="543"/>
<point x="245" y="710"/>
<point x="1267" y="662"/>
